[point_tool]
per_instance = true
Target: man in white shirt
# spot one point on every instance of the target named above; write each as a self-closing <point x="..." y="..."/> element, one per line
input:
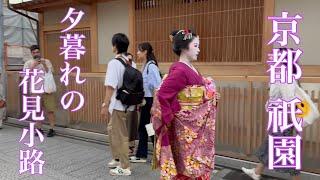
<point x="48" y="99"/>
<point x="114" y="111"/>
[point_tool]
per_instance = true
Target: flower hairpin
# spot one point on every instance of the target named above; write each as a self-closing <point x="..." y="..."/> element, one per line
<point x="187" y="34"/>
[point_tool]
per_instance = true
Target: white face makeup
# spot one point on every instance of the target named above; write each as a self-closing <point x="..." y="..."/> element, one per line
<point x="194" y="49"/>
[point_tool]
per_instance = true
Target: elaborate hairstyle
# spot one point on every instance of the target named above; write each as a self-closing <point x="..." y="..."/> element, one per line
<point x="181" y="39"/>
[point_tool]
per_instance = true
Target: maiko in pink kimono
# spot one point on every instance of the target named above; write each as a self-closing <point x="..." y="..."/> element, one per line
<point x="184" y="114"/>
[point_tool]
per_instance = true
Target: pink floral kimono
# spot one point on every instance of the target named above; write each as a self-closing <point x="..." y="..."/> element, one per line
<point x="184" y="120"/>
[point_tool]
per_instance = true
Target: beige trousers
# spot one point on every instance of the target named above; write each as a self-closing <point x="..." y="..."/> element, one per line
<point x="119" y="137"/>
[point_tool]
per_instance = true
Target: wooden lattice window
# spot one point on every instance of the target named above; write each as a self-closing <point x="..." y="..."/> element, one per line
<point x="230" y="30"/>
<point x="52" y="50"/>
<point x="148" y="3"/>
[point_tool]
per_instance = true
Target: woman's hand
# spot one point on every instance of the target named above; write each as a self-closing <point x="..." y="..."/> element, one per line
<point x="217" y="96"/>
<point x="167" y="127"/>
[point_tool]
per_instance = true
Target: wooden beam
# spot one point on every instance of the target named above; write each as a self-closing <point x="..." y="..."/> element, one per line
<point x="103" y="1"/>
<point x="85" y="2"/>
<point x="101" y="68"/>
<point x="94" y="37"/>
<point x="58" y="26"/>
<point x="269" y="6"/>
<point x="48" y="4"/>
<point x="132" y="37"/>
<point x="41" y="34"/>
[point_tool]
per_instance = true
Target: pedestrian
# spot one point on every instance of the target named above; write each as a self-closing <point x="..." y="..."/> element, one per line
<point x="124" y="90"/>
<point x="151" y="81"/>
<point x="48" y="100"/>
<point x="133" y="120"/>
<point x="184" y="115"/>
<point x="286" y="92"/>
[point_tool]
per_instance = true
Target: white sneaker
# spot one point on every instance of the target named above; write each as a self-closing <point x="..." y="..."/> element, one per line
<point x="113" y="163"/>
<point x="118" y="171"/>
<point x="135" y="159"/>
<point x="251" y="173"/>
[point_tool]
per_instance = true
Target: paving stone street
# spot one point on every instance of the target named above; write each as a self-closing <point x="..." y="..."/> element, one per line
<point x="70" y="159"/>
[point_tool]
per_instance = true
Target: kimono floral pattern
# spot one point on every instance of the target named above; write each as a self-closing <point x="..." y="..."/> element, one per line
<point x="188" y="135"/>
<point x="191" y="135"/>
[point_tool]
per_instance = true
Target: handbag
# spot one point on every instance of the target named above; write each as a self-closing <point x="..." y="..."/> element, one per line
<point x="309" y="111"/>
<point x="150" y="130"/>
<point x="49" y="83"/>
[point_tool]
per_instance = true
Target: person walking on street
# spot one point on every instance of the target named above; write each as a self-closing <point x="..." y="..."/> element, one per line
<point x="151" y="81"/>
<point x="183" y="115"/>
<point x="122" y="82"/>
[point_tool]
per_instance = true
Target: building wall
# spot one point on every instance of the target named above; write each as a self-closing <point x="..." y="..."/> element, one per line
<point x="113" y="18"/>
<point x="107" y="25"/>
<point x="51" y="27"/>
<point x="54" y="16"/>
<point x="308" y="27"/>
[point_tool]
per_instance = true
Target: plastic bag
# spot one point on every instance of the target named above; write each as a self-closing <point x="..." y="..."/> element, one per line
<point x="49" y="83"/>
<point x="310" y="112"/>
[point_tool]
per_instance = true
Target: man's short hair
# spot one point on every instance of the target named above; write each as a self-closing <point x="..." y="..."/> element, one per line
<point x="34" y="47"/>
<point x="121" y="42"/>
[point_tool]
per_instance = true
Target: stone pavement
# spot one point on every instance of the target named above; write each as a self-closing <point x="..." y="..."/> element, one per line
<point x="70" y="159"/>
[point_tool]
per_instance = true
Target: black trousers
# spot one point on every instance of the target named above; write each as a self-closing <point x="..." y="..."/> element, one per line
<point x="142" y="151"/>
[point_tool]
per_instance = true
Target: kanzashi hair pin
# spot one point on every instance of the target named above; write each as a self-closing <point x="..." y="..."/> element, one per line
<point x="187" y="34"/>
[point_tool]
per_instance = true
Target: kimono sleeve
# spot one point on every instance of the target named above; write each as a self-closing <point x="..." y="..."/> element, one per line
<point x="167" y="95"/>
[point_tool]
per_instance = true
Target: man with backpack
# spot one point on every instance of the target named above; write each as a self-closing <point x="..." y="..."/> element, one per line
<point x="124" y="89"/>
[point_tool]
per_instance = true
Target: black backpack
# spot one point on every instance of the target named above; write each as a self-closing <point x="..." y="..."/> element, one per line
<point x="131" y="92"/>
<point x="152" y="62"/>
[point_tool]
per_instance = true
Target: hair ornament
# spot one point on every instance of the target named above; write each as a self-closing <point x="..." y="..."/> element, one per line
<point x="187" y="34"/>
